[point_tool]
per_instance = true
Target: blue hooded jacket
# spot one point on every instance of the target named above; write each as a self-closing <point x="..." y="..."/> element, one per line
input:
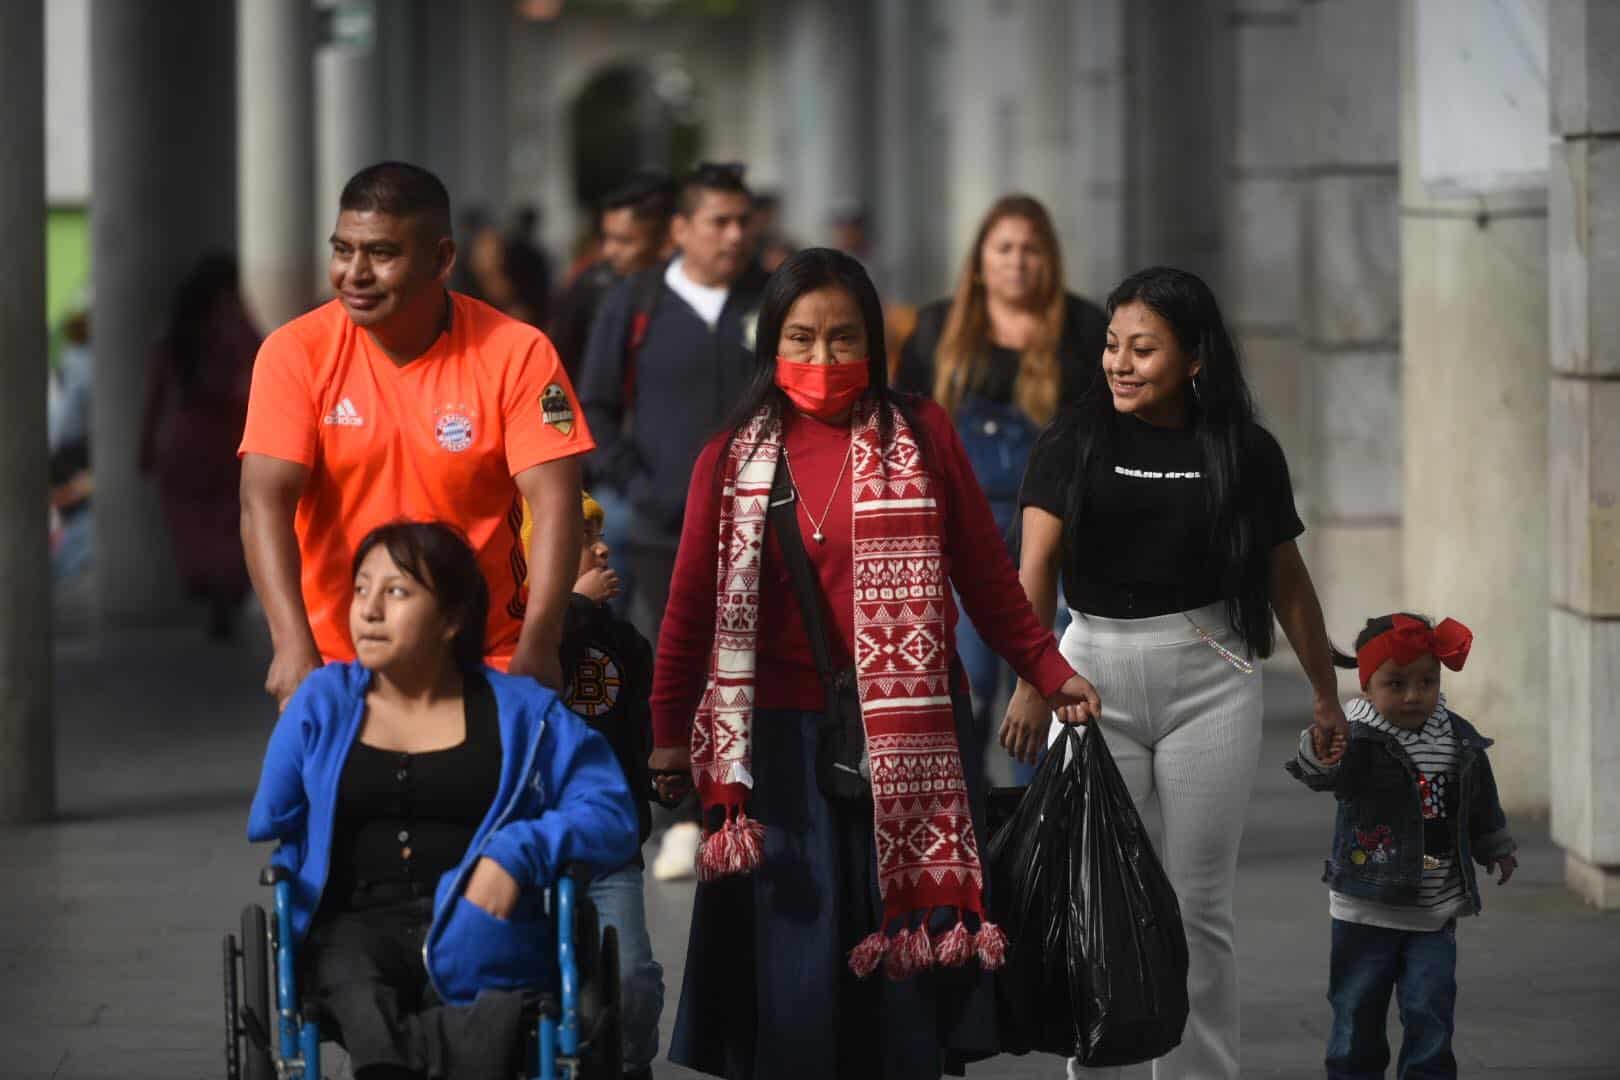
<point x="562" y="800"/>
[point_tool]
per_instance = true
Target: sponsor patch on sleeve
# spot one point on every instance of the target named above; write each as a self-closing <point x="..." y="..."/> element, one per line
<point x="555" y="408"/>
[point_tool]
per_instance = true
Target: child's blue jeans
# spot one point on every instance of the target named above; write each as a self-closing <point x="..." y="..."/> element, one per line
<point x="620" y="901"/>
<point x="1421" y="968"/>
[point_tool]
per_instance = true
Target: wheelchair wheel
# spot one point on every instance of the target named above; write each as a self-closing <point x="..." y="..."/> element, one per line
<point x="255" y="998"/>
<point x="233" y="1057"/>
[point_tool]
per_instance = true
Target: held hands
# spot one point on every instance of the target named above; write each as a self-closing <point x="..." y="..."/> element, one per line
<point x="1505" y="866"/>
<point x="1077" y="701"/>
<point x="1024" y="729"/>
<point x="671" y="767"/>
<point x="288" y="670"/>
<point x="1330" y="732"/>
<point x="599" y="584"/>
<point x="491" y="888"/>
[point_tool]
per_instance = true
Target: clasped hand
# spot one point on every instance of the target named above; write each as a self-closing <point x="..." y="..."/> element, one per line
<point x="1024" y="729"/>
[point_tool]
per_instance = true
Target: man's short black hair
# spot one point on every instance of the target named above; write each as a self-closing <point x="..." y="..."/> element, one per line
<point x="648" y="195"/>
<point x="709" y="176"/>
<point x="399" y="189"/>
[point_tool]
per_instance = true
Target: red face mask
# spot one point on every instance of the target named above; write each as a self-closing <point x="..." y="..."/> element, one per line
<point x="822" y="390"/>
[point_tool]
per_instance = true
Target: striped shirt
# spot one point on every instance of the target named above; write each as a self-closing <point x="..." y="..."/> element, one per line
<point x="1442" y="895"/>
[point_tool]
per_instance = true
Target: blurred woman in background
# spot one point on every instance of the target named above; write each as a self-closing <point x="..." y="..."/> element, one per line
<point x="196" y="408"/>
<point x="1002" y="356"/>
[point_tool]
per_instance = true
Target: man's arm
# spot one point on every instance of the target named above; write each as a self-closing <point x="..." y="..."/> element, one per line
<point x="552" y="491"/>
<point x="601" y="391"/>
<point x="271" y="488"/>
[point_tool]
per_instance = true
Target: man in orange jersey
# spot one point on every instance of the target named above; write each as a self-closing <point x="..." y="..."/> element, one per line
<point x="401" y="399"/>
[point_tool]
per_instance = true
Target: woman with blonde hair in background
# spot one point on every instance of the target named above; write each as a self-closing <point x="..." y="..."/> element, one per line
<point x="1002" y="355"/>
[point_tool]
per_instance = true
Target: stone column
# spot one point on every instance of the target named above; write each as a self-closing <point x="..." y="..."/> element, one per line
<point x="1474" y="333"/>
<point x="163" y="173"/>
<point x="275" y="146"/>
<point x="1179" y="79"/>
<point x="1266" y="188"/>
<point x="1350" y="482"/>
<point x="1584" y="474"/>
<point x="486" y="36"/>
<point x="980" y="81"/>
<point x="349" y="129"/>
<point x="827" y="107"/>
<point x="27" y="770"/>
<point x="910" y="146"/>
<point x="1094" y="255"/>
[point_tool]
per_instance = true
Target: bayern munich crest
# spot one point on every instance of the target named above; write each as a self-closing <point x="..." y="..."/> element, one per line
<point x="454" y="431"/>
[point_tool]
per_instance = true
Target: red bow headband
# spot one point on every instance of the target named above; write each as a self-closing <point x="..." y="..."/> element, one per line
<point x="1411" y="638"/>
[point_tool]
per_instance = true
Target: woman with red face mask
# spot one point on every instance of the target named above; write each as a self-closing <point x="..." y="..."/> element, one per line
<point x="807" y="682"/>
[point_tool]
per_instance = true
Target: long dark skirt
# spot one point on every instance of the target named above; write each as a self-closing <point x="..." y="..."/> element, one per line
<point x="768" y="993"/>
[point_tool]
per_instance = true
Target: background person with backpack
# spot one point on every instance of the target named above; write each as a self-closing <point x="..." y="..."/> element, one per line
<point x="1002" y="355"/>
<point x="679" y="336"/>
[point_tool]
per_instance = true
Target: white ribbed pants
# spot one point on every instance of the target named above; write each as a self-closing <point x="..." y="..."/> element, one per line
<point x="1183" y="724"/>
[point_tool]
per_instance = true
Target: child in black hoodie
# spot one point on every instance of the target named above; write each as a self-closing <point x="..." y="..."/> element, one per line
<point x="608" y="667"/>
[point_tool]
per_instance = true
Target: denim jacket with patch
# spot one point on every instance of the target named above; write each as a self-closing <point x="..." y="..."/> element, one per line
<point x="1377" y="788"/>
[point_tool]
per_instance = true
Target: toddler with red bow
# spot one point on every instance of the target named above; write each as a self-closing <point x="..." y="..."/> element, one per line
<point x="1417" y="806"/>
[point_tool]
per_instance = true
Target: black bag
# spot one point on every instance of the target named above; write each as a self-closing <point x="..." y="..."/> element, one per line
<point x="843" y="771"/>
<point x="1097" y="965"/>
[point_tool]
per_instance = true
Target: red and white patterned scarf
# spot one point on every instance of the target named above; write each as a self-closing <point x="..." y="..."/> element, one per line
<point x="927" y="853"/>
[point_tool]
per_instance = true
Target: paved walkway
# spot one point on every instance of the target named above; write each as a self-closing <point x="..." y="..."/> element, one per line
<point x="111" y="917"/>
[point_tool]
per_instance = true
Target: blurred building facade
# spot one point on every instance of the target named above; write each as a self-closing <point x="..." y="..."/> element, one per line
<point x="1408" y="207"/>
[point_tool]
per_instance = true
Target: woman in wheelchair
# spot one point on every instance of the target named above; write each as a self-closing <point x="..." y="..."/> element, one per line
<point x="424" y="803"/>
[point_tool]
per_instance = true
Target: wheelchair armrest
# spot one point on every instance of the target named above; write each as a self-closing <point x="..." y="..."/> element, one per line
<point x="273" y="875"/>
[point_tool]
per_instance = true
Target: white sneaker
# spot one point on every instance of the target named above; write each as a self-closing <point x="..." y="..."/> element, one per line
<point x="677" y="855"/>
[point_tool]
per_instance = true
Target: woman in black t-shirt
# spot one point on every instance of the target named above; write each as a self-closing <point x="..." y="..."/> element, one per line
<point x="1003" y="355"/>
<point x="1169" y="512"/>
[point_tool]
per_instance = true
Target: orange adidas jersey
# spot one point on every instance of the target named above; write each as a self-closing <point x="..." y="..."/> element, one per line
<point x="438" y="439"/>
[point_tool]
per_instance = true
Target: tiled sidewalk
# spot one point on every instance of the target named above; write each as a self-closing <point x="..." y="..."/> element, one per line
<point x="111" y="917"/>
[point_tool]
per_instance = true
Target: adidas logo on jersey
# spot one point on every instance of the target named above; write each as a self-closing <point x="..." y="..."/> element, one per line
<point x="345" y="415"/>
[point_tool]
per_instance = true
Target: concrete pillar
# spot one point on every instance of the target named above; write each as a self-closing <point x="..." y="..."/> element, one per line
<point x="486" y="36"/>
<point x="275" y="145"/>
<point x="981" y="87"/>
<point x="1179" y="78"/>
<point x="828" y="101"/>
<point x="27" y="770"/>
<point x="163" y="174"/>
<point x="1349" y="486"/>
<point x="1042" y="128"/>
<point x="1266" y="189"/>
<point x="1474" y="393"/>
<point x="1094" y="255"/>
<point x="349" y="129"/>
<point x="1584" y="473"/>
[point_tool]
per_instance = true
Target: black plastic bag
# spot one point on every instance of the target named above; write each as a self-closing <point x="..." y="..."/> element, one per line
<point x="1029" y="863"/>
<point x="1097" y="958"/>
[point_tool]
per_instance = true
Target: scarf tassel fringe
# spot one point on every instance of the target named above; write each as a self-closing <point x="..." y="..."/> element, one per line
<point x="737" y="847"/>
<point x="912" y="952"/>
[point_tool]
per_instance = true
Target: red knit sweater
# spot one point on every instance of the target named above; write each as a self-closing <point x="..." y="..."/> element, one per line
<point x="976" y="562"/>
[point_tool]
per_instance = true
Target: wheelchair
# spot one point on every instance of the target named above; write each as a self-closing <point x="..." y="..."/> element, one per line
<point x="578" y="1033"/>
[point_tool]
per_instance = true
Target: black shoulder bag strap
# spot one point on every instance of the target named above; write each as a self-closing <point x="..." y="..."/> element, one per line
<point x="842" y="770"/>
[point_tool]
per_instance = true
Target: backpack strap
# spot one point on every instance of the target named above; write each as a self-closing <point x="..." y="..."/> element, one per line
<point x="645" y="286"/>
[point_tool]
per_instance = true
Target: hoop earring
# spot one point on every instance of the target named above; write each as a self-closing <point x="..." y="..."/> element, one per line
<point x="1197" y="397"/>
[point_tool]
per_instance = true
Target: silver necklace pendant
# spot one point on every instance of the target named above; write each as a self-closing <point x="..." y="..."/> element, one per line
<point x="818" y="537"/>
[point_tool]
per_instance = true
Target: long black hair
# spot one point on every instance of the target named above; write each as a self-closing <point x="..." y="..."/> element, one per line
<point x="438" y="557"/>
<point x="1221" y="416"/>
<point x="804" y="272"/>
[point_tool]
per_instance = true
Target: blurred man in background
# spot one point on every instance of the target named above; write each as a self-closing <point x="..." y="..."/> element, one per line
<point x="634" y="228"/>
